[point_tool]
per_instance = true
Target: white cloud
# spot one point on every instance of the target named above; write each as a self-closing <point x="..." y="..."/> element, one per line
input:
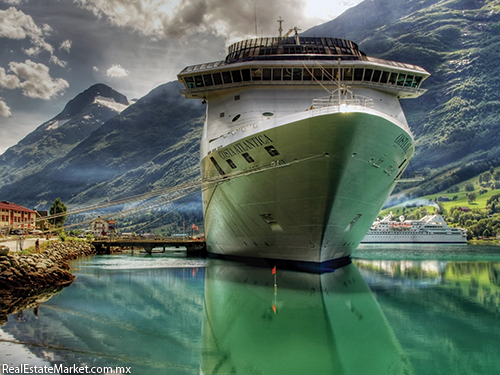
<point x="33" y="79"/>
<point x="95" y="68"/>
<point x="4" y="109"/>
<point x="9" y="81"/>
<point x="116" y="71"/>
<point x="144" y="16"/>
<point x="14" y="24"/>
<point x="66" y="45"/>
<point x="47" y="30"/>
<point x="55" y="60"/>
<point x="230" y="19"/>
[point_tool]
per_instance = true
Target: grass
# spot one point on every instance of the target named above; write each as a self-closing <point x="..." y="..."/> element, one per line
<point x="462" y="200"/>
<point x="31" y="250"/>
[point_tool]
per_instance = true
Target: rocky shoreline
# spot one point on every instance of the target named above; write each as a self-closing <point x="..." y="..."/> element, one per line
<point x="28" y="280"/>
<point x="49" y="269"/>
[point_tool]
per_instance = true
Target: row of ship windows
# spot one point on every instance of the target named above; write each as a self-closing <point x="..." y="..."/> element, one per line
<point x="403" y="233"/>
<point x="305" y="42"/>
<point x="300" y="74"/>
<point x="270" y="149"/>
<point x="287" y="50"/>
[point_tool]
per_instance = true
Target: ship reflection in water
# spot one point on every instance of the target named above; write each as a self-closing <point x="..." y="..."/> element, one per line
<point x="393" y="311"/>
<point x="260" y="322"/>
<point x="227" y="318"/>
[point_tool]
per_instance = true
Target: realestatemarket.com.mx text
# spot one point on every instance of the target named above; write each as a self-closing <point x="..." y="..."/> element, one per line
<point x="60" y="369"/>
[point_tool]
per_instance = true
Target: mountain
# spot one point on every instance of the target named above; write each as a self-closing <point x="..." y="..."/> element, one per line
<point x="55" y="138"/>
<point x="152" y="144"/>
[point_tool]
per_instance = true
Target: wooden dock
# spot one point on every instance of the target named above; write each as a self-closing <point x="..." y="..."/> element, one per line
<point x="193" y="248"/>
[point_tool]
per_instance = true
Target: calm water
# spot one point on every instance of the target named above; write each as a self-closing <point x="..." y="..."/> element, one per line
<point x="395" y="310"/>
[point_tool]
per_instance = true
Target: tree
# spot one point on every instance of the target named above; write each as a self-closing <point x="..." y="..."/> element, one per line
<point x="493" y="204"/>
<point x="486" y="177"/>
<point x="469" y="187"/>
<point x="471" y="197"/>
<point x="440" y="208"/>
<point x="58" y="207"/>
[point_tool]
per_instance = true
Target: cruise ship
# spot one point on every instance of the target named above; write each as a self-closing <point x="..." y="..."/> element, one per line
<point x="429" y="229"/>
<point x="303" y="141"/>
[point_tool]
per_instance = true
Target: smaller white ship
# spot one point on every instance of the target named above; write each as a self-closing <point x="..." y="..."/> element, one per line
<point x="429" y="229"/>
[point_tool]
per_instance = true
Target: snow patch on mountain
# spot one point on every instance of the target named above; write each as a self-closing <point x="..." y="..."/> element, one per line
<point x="110" y="103"/>
<point x="54" y="124"/>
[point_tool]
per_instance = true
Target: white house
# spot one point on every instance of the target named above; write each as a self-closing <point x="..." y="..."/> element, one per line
<point x="100" y="227"/>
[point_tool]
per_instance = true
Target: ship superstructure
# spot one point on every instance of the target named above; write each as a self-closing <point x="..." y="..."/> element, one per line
<point x="307" y="138"/>
<point x="429" y="229"/>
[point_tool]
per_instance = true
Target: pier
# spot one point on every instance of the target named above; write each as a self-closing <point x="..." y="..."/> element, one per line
<point x="194" y="248"/>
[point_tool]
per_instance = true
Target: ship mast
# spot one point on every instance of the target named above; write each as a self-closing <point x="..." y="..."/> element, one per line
<point x="280" y="30"/>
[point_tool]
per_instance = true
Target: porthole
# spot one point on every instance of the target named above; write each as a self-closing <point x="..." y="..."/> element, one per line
<point x="217" y="166"/>
<point x="272" y="150"/>
<point x="267" y="114"/>
<point x="236" y="118"/>
<point x="247" y="157"/>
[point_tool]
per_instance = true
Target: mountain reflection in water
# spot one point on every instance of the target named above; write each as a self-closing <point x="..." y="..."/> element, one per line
<point x="444" y="305"/>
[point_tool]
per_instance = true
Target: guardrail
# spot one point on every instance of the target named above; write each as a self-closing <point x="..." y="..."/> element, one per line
<point x="329" y="101"/>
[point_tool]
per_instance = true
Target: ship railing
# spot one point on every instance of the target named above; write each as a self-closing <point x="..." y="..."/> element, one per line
<point x="356" y="100"/>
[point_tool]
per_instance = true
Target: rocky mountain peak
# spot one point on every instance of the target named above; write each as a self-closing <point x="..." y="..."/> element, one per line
<point x="98" y="92"/>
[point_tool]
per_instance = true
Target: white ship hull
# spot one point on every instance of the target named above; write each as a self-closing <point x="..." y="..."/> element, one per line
<point x="429" y="229"/>
<point x="451" y="238"/>
<point x="314" y="202"/>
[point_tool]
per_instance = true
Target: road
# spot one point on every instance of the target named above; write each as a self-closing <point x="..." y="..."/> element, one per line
<point x="13" y="244"/>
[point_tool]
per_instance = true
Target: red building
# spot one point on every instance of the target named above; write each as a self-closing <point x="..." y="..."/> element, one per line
<point x="14" y="216"/>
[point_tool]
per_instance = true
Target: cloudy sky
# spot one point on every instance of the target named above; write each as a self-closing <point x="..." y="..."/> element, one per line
<point x="51" y="50"/>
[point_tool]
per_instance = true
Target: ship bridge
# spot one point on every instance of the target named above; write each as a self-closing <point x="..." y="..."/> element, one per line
<point x="293" y="48"/>
<point x="301" y="62"/>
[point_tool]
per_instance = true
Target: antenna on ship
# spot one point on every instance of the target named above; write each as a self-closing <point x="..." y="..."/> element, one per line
<point x="280" y="30"/>
<point x="255" y="16"/>
<point x="339" y="77"/>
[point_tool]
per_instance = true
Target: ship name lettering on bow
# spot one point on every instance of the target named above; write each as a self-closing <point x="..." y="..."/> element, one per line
<point x="245" y="145"/>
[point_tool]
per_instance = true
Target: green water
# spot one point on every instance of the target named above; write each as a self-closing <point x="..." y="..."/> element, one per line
<point x="395" y="310"/>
